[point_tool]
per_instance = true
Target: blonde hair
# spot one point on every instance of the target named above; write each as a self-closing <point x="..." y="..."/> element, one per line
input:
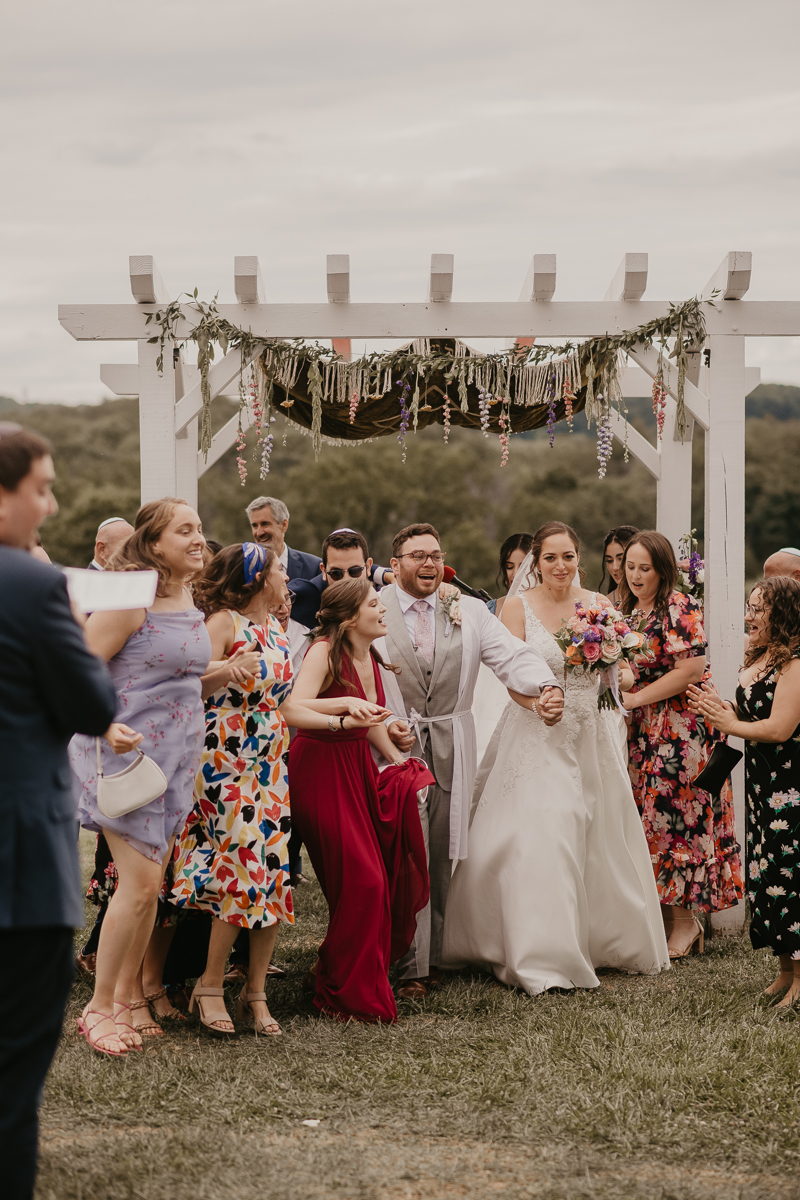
<point x="138" y="552"/>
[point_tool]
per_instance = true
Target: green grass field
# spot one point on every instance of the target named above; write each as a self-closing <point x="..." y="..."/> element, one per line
<point x="681" y="1087"/>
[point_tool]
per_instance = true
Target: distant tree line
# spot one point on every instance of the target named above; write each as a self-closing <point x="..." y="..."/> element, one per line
<point x="460" y="488"/>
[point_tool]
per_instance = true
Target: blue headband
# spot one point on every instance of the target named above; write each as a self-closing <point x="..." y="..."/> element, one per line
<point x="255" y="558"/>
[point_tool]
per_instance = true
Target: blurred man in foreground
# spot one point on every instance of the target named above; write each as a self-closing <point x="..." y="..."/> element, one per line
<point x="50" y="688"/>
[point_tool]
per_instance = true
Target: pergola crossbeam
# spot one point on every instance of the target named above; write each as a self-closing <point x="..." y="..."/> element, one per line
<point x="558" y="320"/>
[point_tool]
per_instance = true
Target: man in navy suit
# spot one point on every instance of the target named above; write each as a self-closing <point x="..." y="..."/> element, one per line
<point x="269" y="520"/>
<point x="344" y="556"/>
<point x="50" y="688"/>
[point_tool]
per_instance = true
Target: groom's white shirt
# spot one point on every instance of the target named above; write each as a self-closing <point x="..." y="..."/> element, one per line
<point x="517" y="665"/>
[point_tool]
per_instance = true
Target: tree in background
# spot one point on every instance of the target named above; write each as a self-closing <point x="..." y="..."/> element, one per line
<point x="460" y="488"/>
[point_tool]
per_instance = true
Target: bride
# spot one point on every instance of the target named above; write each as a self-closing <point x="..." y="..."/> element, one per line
<point x="558" y="880"/>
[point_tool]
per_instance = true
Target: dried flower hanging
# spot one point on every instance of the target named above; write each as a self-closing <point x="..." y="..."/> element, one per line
<point x="569" y="400"/>
<point x="504" y="422"/>
<point x="660" y="395"/>
<point x="551" y="409"/>
<point x="404" y="414"/>
<point x="446" y="421"/>
<point x="605" y="440"/>
<point x="484" y="400"/>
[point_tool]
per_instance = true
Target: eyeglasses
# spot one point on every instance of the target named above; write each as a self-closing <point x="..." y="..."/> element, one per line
<point x="753" y="610"/>
<point x="421" y="556"/>
<point x="337" y="573"/>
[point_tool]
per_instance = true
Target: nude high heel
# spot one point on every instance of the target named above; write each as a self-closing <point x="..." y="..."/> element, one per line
<point x="212" y="1023"/>
<point x="697" y="944"/>
<point x="245" y="1013"/>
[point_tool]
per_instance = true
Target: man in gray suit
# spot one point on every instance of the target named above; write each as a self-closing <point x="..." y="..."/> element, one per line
<point x="50" y="688"/>
<point x="439" y="646"/>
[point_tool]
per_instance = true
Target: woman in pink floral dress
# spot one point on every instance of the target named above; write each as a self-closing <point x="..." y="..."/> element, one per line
<point x="691" y="834"/>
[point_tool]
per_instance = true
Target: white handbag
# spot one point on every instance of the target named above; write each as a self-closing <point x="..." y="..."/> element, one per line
<point x="139" y="783"/>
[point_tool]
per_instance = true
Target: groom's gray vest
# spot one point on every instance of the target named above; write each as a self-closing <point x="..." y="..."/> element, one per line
<point x="430" y="688"/>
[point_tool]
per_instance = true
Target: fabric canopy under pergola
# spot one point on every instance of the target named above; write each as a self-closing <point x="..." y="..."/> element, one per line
<point x="379" y="416"/>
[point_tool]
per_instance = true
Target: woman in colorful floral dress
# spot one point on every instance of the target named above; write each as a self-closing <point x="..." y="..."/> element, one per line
<point x="232" y="857"/>
<point x="767" y="716"/>
<point x="691" y="834"/>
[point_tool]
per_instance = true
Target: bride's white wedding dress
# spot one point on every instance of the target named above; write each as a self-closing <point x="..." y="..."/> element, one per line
<point x="558" y="881"/>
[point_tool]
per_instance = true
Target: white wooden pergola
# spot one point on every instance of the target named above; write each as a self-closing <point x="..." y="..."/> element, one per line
<point x="716" y="385"/>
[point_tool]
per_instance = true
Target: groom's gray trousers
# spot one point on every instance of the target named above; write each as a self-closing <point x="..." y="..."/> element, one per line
<point x="426" y="949"/>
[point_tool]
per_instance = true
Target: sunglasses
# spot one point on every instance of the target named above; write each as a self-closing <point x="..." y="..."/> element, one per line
<point x="337" y="573"/>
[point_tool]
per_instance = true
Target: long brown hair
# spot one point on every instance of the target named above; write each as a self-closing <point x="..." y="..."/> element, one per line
<point x="621" y="535"/>
<point x="339" y="606"/>
<point x="138" y="552"/>
<point x="221" y="584"/>
<point x="554" y="529"/>
<point x="514" y="541"/>
<point x="781" y="599"/>
<point x="665" y="566"/>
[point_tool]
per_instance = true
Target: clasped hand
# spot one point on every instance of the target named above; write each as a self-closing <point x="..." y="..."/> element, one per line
<point x="551" y="705"/>
<point x="363" y="713"/>
<point x="244" y="664"/>
<point x="707" y="702"/>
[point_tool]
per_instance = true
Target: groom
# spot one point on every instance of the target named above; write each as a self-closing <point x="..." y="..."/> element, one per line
<point x="439" y="646"/>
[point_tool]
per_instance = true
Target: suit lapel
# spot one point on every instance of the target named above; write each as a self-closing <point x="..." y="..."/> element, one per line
<point x="444" y="643"/>
<point x="397" y="632"/>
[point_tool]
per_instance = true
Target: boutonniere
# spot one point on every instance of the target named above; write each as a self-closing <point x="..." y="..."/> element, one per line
<point x="451" y="607"/>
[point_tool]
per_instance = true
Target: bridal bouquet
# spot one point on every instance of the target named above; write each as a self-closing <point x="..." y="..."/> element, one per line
<point x="598" y="639"/>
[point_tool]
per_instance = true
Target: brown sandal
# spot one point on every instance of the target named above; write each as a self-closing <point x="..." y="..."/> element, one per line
<point x="196" y="1007"/>
<point x="245" y="1013"/>
<point x="151" y="998"/>
<point x="149" y="1028"/>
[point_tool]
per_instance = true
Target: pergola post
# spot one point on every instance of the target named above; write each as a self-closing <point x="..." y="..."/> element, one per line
<point x="185" y="447"/>
<point x="157" y="448"/>
<point x="674" y="484"/>
<point x="157" y="425"/>
<point x="724" y="544"/>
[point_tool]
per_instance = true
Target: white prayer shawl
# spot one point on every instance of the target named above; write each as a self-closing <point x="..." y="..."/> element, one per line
<point x="517" y="665"/>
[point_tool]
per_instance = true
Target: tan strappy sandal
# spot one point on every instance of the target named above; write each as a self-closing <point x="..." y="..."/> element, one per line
<point x="245" y="1013"/>
<point x="94" y="1038"/>
<point x="149" y="1028"/>
<point x="196" y="1007"/>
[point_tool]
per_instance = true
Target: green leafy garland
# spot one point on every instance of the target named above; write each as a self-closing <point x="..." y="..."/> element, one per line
<point x="536" y="375"/>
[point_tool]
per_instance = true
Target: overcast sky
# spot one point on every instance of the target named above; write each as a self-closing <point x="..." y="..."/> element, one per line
<point x="195" y="131"/>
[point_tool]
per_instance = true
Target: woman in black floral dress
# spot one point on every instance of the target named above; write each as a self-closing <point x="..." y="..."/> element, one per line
<point x="767" y="716"/>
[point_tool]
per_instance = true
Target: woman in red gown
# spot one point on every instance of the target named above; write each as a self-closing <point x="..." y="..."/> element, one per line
<point x="360" y="826"/>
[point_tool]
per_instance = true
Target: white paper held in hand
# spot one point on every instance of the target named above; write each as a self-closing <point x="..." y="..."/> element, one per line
<point x="106" y="591"/>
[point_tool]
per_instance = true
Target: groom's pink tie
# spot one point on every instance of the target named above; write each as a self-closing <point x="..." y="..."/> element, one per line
<point x="423" y="632"/>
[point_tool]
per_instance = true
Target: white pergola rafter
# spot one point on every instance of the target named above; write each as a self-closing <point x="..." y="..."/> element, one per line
<point x="169" y="403"/>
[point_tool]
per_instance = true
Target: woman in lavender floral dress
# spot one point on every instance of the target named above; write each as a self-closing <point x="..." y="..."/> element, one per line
<point x="156" y="658"/>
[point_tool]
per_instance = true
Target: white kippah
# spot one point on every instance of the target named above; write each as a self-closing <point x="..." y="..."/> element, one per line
<point x="110" y="521"/>
<point x="789" y="550"/>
